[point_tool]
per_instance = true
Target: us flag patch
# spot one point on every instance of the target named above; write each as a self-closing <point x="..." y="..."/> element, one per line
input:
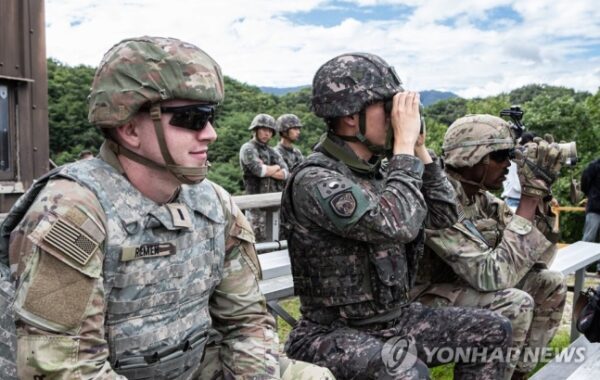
<point x="71" y="241"/>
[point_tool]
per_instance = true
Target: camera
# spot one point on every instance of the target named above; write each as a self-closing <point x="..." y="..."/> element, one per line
<point x="568" y="150"/>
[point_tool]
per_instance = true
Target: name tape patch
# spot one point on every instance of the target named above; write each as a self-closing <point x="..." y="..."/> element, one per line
<point x="146" y="251"/>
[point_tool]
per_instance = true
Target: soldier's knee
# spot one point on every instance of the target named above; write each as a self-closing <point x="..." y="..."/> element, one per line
<point x="299" y="370"/>
<point x="554" y="280"/>
<point x="506" y="331"/>
<point x="515" y="304"/>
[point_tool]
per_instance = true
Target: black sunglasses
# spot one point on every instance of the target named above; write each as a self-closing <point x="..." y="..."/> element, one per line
<point x="194" y="117"/>
<point x="502" y="155"/>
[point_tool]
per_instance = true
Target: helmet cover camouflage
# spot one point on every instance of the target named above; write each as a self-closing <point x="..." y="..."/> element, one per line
<point x="287" y="121"/>
<point x="347" y="83"/>
<point x="263" y="120"/>
<point x="144" y="70"/>
<point x="470" y="138"/>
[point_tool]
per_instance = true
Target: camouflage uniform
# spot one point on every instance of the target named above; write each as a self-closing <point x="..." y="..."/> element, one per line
<point x="291" y="155"/>
<point x="355" y="236"/>
<point x="254" y="155"/>
<point x="112" y="285"/>
<point x="8" y="338"/>
<point x="491" y="258"/>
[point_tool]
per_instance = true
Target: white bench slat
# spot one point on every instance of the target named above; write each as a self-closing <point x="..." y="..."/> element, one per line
<point x="275" y="264"/>
<point x="555" y="370"/>
<point x="277" y="288"/>
<point x="576" y="256"/>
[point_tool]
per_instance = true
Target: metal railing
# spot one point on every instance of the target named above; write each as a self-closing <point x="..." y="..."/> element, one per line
<point x="269" y="202"/>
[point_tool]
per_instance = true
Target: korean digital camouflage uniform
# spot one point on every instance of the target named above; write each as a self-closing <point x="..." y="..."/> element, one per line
<point x="491" y="258"/>
<point x="254" y="155"/>
<point x="110" y="284"/>
<point x="292" y="156"/>
<point x="355" y="237"/>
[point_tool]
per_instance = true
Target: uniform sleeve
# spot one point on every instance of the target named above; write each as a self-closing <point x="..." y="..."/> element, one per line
<point x="59" y="303"/>
<point x="346" y="208"/>
<point x="489" y="268"/>
<point x="249" y="348"/>
<point x="281" y="162"/>
<point x="440" y="198"/>
<point x="250" y="160"/>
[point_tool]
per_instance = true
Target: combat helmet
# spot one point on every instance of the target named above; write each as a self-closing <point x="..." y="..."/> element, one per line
<point x="348" y="83"/>
<point x="140" y="73"/>
<point x="287" y="121"/>
<point x="471" y="138"/>
<point x="262" y="120"/>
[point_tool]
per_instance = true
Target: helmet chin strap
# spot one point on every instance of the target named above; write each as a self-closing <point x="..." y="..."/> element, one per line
<point x="480" y="184"/>
<point x="360" y="135"/>
<point x="188" y="175"/>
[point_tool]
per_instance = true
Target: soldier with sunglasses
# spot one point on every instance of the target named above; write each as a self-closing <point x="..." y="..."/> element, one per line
<point x="133" y="265"/>
<point x="492" y="258"/>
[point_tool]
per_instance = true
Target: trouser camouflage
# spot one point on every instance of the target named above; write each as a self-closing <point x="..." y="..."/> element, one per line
<point x="384" y="351"/>
<point x="212" y="368"/>
<point x="258" y="220"/>
<point x="8" y="337"/>
<point x="534" y="309"/>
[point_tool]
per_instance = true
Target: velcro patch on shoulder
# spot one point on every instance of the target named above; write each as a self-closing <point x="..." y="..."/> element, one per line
<point x="74" y="244"/>
<point x="333" y="186"/>
<point x="343" y="204"/>
<point x="72" y="241"/>
<point x="342" y="200"/>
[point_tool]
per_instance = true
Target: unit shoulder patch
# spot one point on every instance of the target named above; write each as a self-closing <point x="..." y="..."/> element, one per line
<point x="343" y="204"/>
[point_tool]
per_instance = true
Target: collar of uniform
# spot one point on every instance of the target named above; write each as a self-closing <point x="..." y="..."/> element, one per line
<point x="453" y="178"/>
<point x="110" y="158"/>
<point x="131" y="206"/>
<point x="290" y="149"/>
<point x="258" y="143"/>
<point x="203" y="198"/>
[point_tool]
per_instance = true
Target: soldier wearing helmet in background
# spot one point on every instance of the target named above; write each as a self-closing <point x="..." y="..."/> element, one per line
<point x="491" y="258"/>
<point x="355" y="235"/>
<point x="132" y="264"/>
<point x="289" y="126"/>
<point x="264" y="169"/>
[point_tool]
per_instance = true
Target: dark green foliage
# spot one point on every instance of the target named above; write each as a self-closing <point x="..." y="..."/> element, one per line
<point x="568" y="114"/>
<point x="70" y="132"/>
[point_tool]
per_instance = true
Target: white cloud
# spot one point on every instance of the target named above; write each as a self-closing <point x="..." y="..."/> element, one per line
<point x="255" y="41"/>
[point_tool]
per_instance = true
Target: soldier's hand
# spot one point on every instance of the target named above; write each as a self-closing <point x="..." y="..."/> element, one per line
<point x="280" y="175"/>
<point x="539" y="164"/>
<point x="272" y="169"/>
<point x="406" y="122"/>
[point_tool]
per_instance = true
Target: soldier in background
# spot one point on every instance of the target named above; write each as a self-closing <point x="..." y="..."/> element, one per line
<point x="355" y="236"/>
<point x="85" y="155"/>
<point x="493" y="258"/>
<point x="129" y="265"/>
<point x="289" y="126"/>
<point x="264" y="169"/>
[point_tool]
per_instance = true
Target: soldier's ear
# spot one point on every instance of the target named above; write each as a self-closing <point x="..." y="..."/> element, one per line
<point x="348" y="123"/>
<point x="129" y="134"/>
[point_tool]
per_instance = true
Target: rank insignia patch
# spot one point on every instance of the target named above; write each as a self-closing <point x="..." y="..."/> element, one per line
<point x="343" y="204"/>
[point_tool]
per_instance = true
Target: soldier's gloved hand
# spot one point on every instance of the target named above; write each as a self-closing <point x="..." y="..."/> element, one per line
<point x="539" y="164"/>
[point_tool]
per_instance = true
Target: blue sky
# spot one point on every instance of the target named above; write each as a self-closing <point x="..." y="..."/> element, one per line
<point x="471" y="47"/>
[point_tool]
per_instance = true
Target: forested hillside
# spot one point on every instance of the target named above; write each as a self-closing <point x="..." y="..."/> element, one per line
<point x="568" y="114"/>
